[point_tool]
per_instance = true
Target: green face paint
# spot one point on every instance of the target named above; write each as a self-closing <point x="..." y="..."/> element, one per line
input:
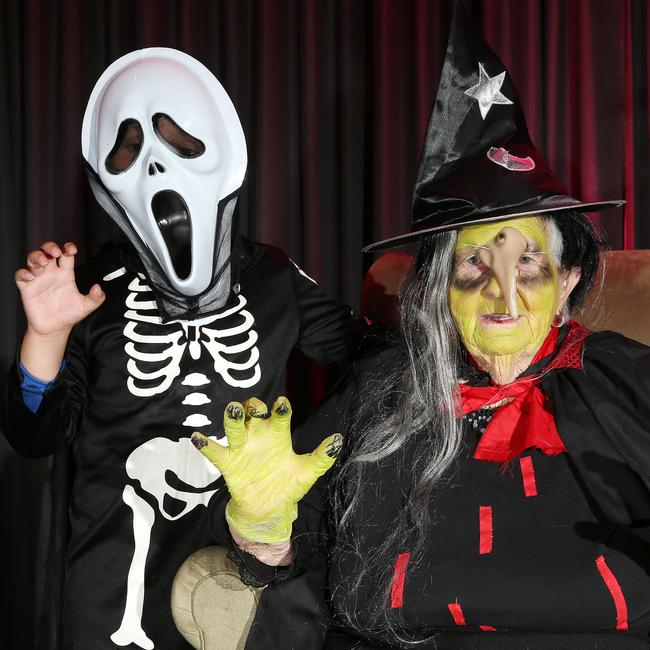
<point x="477" y="301"/>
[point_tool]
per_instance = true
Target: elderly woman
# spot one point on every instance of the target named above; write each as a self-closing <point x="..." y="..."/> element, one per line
<point x="493" y="489"/>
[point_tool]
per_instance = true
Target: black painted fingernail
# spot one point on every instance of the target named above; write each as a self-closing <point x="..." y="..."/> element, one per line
<point x="282" y="409"/>
<point x="234" y="412"/>
<point x="334" y="447"/>
<point x="199" y="442"/>
<point x="254" y="413"/>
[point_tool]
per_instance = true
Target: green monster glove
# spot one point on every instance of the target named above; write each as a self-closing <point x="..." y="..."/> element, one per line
<point x="266" y="479"/>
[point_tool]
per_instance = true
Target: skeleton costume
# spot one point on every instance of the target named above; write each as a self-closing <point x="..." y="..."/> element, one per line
<point x="194" y="316"/>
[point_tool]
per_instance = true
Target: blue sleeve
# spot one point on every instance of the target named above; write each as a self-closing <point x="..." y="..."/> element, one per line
<point x="33" y="389"/>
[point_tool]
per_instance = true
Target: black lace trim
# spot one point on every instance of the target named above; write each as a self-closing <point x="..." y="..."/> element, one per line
<point x="244" y="574"/>
<point x="263" y="573"/>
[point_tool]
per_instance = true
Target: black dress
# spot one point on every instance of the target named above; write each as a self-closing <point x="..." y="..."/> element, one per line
<point x="540" y="552"/>
<point x="127" y="501"/>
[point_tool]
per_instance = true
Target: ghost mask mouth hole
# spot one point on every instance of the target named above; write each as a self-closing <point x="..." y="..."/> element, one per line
<point x="173" y="219"/>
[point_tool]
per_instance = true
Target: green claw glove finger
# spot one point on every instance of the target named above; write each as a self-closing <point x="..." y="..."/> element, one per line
<point x="314" y="465"/>
<point x="256" y="412"/>
<point x="214" y="452"/>
<point x="281" y="417"/>
<point x="234" y="425"/>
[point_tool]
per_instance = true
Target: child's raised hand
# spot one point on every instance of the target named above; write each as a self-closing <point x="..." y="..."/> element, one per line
<point x="50" y="297"/>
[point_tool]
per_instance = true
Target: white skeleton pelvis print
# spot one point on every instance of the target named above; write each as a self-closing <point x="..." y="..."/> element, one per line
<point x="155" y="362"/>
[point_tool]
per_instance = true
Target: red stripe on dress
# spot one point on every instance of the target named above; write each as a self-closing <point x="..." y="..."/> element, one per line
<point x="485" y="529"/>
<point x="459" y="618"/>
<point x="399" y="573"/>
<point x="615" y="590"/>
<point x="457" y="612"/>
<point x="528" y="476"/>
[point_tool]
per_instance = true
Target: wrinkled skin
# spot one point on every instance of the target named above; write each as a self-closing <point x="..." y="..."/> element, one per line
<point x="504" y="345"/>
<point x="265" y="478"/>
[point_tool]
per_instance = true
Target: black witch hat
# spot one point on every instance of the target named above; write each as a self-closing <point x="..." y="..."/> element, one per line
<point x="478" y="162"/>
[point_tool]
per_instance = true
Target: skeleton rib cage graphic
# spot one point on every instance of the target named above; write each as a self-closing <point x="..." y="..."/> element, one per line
<point x="155" y="359"/>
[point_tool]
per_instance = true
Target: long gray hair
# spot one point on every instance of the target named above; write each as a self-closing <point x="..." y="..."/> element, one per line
<point x="424" y="390"/>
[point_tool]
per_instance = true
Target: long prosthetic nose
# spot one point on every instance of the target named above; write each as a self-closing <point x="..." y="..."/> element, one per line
<point x="502" y="255"/>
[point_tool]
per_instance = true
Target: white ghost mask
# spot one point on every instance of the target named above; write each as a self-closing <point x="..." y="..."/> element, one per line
<point x="167" y="156"/>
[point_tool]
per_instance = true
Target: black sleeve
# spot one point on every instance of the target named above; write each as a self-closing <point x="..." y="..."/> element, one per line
<point x="298" y="597"/>
<point x="311" y="509"/>
<point x="602" y="412"/>
<point x="329" y="332"/>
<point x="56" y="421"/>
<point x="301" y="602"/>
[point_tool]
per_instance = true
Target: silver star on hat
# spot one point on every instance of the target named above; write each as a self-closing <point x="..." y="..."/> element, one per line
<point x="488" y="90"/>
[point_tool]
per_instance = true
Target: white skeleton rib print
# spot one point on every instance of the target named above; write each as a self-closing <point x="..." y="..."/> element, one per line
<point x="155" y="361"/>
<point x="236" y="320"/>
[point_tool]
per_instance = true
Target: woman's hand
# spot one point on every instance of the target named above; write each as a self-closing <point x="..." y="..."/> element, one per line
<point x="266" y="479"/>
<point x="51" y="300"/>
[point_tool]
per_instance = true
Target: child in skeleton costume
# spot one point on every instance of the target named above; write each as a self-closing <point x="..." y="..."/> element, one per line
<point x="184" y="317"/>
<point x="493" y="488"/>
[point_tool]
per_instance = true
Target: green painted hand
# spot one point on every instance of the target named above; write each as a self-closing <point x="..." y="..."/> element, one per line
<point x="266" y="479"/>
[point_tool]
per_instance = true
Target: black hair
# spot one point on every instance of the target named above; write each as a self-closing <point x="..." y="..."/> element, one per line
<point x="582" y="245"/>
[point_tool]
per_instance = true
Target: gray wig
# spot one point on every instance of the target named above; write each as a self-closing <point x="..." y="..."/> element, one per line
<point x="425" y="386"/>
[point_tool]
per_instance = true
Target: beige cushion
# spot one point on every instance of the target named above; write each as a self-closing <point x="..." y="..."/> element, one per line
<point x="212" y="608"/>
<point x="381" y="286"/>
<point x="623" y="304"/>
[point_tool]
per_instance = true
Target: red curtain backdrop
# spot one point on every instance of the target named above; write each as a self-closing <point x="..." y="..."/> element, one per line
<point x="334" y="96"/>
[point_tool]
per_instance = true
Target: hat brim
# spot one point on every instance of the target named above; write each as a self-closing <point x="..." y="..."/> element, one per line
<point x="480" y="217"/>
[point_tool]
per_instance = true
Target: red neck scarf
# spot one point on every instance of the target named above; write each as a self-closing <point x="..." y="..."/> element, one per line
<point x="526" y="421"/>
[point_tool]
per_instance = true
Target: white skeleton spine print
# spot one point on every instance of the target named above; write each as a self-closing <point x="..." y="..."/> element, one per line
<point x="156" y="360"/>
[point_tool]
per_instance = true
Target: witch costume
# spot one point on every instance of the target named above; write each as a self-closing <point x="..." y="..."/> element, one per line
<point x="538" y="533"/>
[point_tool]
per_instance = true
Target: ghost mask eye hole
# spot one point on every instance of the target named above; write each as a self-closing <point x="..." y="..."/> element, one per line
<point x="180" y="142"/>
<point x="126" y="149"/>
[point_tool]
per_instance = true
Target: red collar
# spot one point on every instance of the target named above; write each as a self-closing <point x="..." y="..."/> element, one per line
<point x="526" y="421"/>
